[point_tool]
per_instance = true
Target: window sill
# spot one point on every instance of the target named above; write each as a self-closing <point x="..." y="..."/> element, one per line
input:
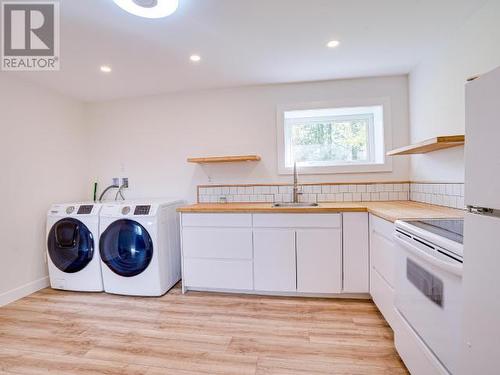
<point x="358" y="168"/>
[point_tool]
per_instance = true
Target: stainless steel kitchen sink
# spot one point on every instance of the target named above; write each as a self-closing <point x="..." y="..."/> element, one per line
<point x="295" y="204"/>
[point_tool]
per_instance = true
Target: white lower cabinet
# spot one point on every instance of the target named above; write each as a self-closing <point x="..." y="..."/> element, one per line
<point x="382" y="262"/>
<point x="356" y="252"/>
<point x="319" y="260"/>
<point x="223" y="274"/>
<point x="274" y="260"/>
<point x="275" y="253"/>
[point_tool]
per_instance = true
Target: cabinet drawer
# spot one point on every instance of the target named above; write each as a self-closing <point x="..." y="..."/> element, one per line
<point x="383" y="296"/>
<point x="382" y="226"/>
<point x="219" y="274"/>
<point x="297" y="220"/>
<point x="216" y="220"/>
<point x="383" y="252"/>
<point x="224" y="243"/>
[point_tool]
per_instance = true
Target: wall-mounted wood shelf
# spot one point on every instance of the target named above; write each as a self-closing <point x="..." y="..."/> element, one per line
<point x="429" y="145"/>
<point x="224" y="159"/>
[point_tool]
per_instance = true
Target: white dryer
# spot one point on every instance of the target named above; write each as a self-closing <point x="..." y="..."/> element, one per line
<point x="140" y="247"/>
<point x="73" y="247"/>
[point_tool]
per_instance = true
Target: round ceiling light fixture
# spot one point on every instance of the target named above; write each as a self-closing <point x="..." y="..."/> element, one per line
<point x="106" y="69"/>
<point x="333" y="44"/>
<point x="149" y="8"/>
<point x="195" y="58"/>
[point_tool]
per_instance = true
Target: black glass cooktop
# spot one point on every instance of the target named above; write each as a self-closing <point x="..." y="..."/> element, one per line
<point x="452" y="229"/>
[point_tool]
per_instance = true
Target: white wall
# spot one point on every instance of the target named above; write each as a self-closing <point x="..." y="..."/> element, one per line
<point x="42" y="161"/>
<point x="437" y="94"/>
<point x="148" y="139"/>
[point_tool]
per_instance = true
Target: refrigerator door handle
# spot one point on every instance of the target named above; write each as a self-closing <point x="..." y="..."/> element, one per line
<point x="483" y="211"/>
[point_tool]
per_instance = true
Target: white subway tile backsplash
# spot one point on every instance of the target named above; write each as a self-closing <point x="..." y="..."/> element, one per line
<point x="435" y="193"/>
<point x="388" y="187"/>
<point x="348" y="197"/>
<point x="384" y="196"/>
<point x="316" y="189"/>
<point x="366" y="197"/>
<point x="361" y="188"/>
<point x="441" y="194"/>
<point x="393" y="195"/>
<point x="343" y="188"/>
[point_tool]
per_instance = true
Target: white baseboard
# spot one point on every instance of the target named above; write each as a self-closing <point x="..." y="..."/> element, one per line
<point x="23" y="291"/>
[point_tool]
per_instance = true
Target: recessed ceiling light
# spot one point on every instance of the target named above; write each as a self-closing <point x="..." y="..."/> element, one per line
<point x="195" y="58"/>
<point x="106" y="69"/>
<point x="333" y="43"/>
<point x="149" y="8"/>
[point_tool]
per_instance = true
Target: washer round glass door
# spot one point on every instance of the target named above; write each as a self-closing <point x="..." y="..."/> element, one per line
<point x="126" y="248"/>
<point x="70" y="245"/>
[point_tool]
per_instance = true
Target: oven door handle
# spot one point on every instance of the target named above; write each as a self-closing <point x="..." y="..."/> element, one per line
<point x="455" y="268"/>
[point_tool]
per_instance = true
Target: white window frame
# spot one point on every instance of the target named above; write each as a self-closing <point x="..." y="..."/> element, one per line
<point x="384" y="163"/>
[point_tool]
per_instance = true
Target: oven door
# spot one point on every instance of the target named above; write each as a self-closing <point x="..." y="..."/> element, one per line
<point x="428" y="295"/>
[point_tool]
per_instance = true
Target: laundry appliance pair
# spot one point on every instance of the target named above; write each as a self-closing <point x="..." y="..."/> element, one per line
<point x="129" y="248"/>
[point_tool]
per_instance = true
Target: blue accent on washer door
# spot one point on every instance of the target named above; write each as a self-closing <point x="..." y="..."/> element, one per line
<point x="126" y="248"/>
<point x="71" y="245"/>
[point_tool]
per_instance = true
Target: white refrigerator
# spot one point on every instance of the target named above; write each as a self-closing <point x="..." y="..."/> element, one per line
<point x="481" y="279"/>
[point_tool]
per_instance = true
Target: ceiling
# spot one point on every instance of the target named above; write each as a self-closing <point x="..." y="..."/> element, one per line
<point x="242" y="42"/>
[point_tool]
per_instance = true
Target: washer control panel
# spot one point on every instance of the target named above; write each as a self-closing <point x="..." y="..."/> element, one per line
<point x="126" y="210"/>
<point x="85" y="209"/>
<point x="142" y="210"/>
<point x="70" y="209"/>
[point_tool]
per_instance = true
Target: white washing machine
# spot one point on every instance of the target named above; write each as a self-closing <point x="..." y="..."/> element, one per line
<point x="73" y="247"/>
<point x="140" y="247"/>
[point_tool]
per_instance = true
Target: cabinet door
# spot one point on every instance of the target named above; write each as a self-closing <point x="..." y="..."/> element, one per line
<point x="356" y="252"/>
<point x="382" y="248"/>
<point x="274" y="260"/>
<point x="319" y="261"/>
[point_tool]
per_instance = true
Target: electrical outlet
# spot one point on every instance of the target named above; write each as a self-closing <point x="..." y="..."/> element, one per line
<point x="125" y="182"/>
<point x="116" y="181"/>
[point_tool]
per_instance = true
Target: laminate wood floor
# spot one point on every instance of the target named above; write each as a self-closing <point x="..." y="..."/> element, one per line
<point x="56" y="332"/>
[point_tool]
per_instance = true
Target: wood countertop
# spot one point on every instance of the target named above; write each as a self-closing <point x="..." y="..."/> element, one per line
<point x="391" y="210"/>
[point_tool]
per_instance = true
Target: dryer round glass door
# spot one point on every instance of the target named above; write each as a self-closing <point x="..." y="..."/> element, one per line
<point x="70" y="245"/>
<point x="126" y="248"/>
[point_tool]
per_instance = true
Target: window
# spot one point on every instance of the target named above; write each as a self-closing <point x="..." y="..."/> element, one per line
<point x="332" y="140"/>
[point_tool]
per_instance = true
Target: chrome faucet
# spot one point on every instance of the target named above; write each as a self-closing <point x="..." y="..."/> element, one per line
<point x="296" y="192"/>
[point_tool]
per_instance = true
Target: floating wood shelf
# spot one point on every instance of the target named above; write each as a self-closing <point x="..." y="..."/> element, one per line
<point x="433" y="144"/>
<point x="224" y="159"/>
